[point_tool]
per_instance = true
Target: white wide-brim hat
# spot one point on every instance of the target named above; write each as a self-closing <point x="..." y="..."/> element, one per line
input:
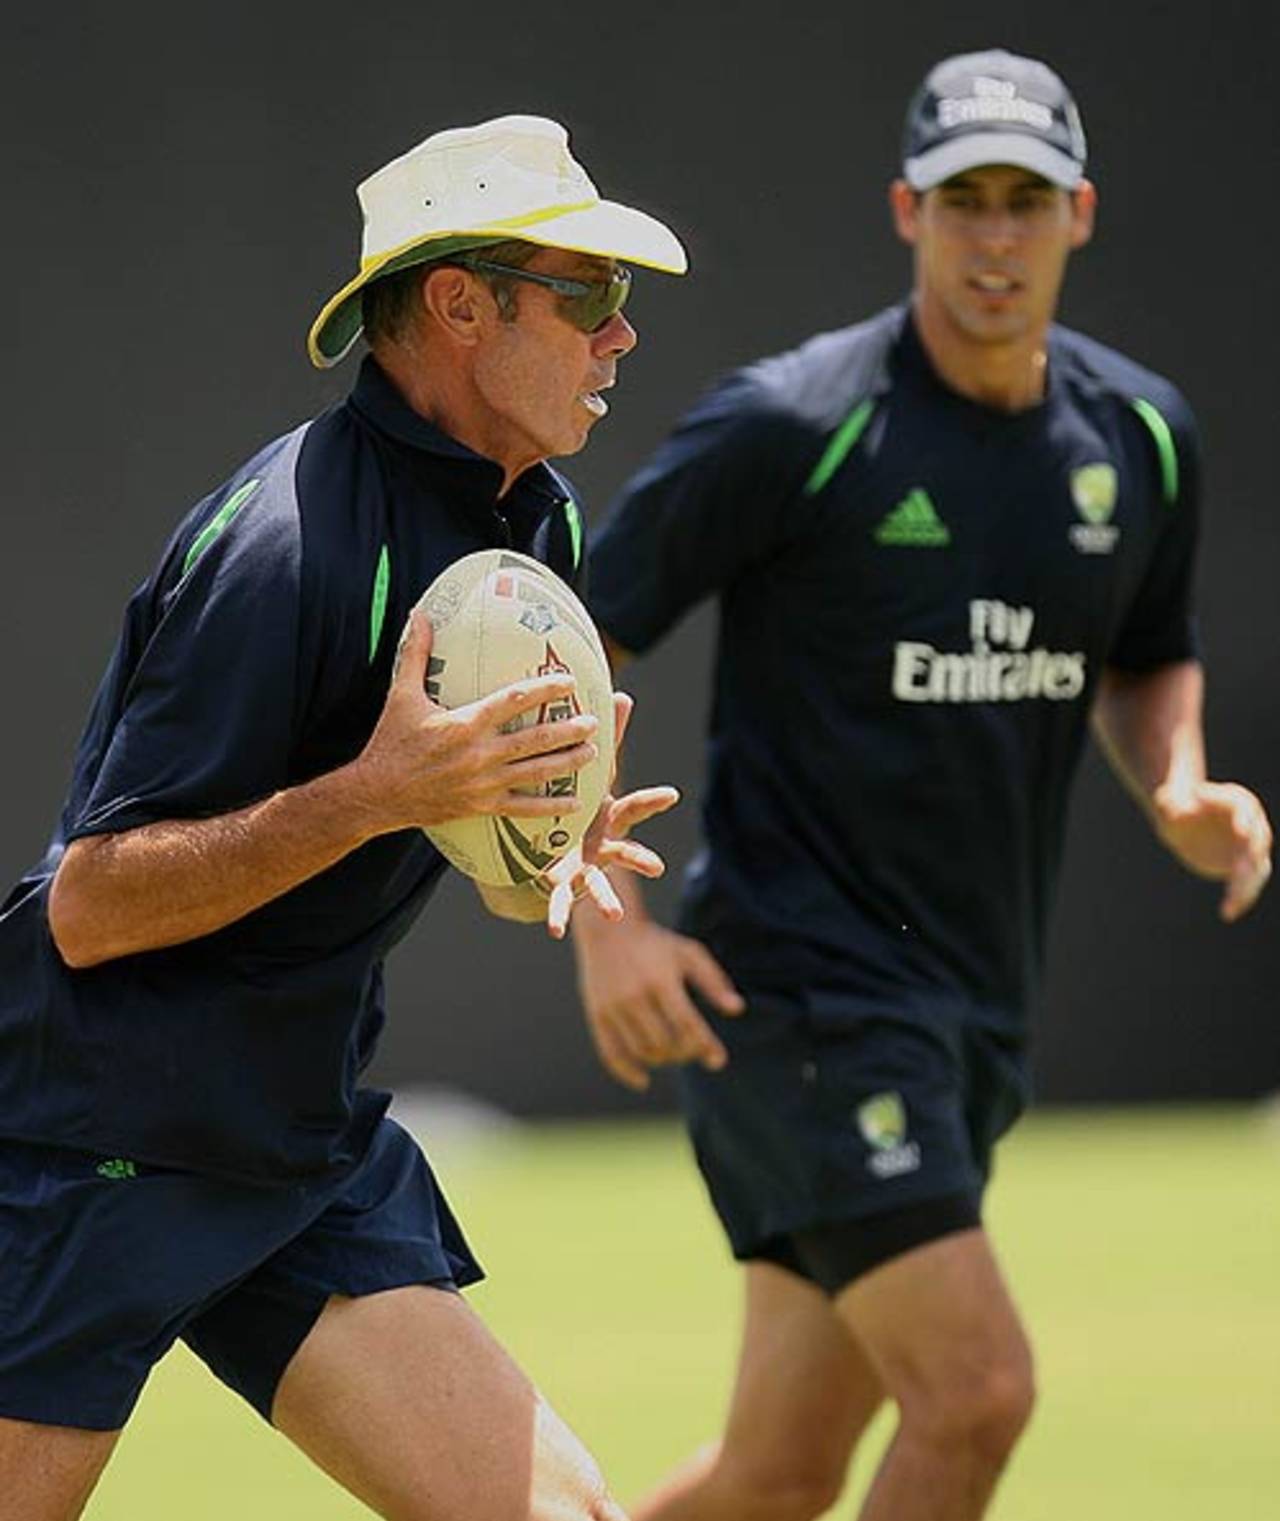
<point x="512" y="177"/>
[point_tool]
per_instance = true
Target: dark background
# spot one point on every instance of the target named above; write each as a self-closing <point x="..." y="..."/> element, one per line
<point x="179" y="193"/>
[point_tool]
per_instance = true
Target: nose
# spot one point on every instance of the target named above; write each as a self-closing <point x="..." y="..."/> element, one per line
<point x="998" y="231"/>
<point x="614" y="338"/>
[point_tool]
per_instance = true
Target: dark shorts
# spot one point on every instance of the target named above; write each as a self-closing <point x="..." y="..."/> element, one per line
<point x="104" y="1263"/>
<point x="833" y="1112"/>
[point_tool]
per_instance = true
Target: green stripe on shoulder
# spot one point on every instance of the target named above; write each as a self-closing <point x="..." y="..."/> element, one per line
<point x="218" y="522"/>
<point x="839" y="445"/>
<point x="378" y="601"/>
<point x="574" y="519"/>
<point x="1165" y="446"/>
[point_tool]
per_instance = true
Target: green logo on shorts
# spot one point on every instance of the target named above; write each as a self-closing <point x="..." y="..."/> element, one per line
<point x="116" y="1168"/>
<point x="882" y="1120"/>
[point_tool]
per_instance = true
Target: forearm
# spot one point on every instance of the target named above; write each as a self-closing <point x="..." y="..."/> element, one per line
<point x="1150" y="727"/>
<point x="173" y="881"/>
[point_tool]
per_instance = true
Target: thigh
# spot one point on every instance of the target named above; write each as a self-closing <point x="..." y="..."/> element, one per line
<point x="387" y="1226"/>
<point x="939" y="1320"/>
<point x="48" y="1472"/>
<point x="408" y="1402"/>
<point x="805" y="1389"/>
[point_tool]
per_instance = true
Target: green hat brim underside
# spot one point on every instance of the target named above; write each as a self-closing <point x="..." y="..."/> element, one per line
<point x="345" y="321"/>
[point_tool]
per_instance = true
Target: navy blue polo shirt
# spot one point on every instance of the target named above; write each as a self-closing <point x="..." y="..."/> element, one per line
<point x="256" y="657"/>
<point x="917" y="596"/>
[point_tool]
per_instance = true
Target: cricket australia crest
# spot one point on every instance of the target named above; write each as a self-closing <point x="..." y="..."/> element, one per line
<point x="882" y="1123"/>
<point x="1094" y="490"/>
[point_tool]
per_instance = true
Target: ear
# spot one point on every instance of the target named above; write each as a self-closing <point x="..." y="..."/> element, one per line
<point x="904" y="207"/>
<point x="1084" y="211"/>
<point x="455" y="299"/>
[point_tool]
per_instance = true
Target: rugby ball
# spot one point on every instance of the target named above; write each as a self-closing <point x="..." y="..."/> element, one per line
<point x="498" y="616"/>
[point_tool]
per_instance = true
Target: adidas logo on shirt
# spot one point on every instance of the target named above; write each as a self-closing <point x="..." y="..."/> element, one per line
<point x="914" y="523"/>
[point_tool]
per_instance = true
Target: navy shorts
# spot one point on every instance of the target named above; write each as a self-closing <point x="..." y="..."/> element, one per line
<point x="833" y="1110"/>
<point x="104" y="1263"/>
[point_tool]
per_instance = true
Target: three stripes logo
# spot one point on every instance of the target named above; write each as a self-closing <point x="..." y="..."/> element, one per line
<point x="914" y="523"/>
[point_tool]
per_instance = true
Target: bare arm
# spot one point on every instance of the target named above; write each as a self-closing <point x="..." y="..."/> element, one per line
<point x="164" y="883"/>
<point x="1150" y="727"/>
<point x="169" y="882"/>
<point x="634" y="976"/>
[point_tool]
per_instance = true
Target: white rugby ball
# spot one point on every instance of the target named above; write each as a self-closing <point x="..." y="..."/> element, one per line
<point x="498" y="616"/>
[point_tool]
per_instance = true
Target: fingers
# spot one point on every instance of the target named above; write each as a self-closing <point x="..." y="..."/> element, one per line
<point x="410" y="667"/>
<point x="1251" y="825"/>
<point x="667" y="1026"/>
<point x="516" y="789"/>
<point x="542" y="738"/>
<point x="635" y="807"/>
<point x="527" y="805"/>
<point x="1251" y="870"/>
<point x="595" y="885"/>
<point x="616" y="817"/>
<point x="1244" y="887"/>
<point x="691" y="1038"/>
<point x="509" y="702"/>
<point x="559" y="908"/>
<point x="663" y="1028"/>
<point x="623" y="707"/>
<point x="631" y="856"/>
<point x="602" y="894"/>
<point x="542" y="768"/>
<point x="711" y="980"/>
<point x="617" y="1060"/>
<point x="652" y="1031"/>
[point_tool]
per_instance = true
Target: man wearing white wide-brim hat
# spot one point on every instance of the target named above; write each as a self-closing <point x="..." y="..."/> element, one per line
<point x="191" y="979"/>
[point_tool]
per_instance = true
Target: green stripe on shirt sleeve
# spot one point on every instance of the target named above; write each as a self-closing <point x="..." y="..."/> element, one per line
<point x="574" y="519"/>
<point x="218" y="522"/>
<point x="378" y="602"/>
<point x="841" y="442"/>
<point x="1165" y="446"/>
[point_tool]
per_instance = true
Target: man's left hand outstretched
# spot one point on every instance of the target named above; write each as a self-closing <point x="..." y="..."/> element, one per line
<point x="581" y="873"/>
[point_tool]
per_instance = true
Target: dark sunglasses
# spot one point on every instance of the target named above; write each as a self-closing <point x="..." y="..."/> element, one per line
<point x="588" y="304"/>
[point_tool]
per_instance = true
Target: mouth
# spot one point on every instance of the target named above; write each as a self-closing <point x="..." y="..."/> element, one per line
<point x="594" y="402"/>
<point x="994" y="284"/>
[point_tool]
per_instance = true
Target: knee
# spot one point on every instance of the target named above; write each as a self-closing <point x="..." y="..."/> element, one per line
<point x="761" y="1491"/>
<point x="800" y="1499"/>
<point x="984" y="1415"/>
<point x="1003" y="1409"/>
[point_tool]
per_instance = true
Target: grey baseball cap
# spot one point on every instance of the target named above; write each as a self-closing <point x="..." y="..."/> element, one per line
<point x="992" y="108"/>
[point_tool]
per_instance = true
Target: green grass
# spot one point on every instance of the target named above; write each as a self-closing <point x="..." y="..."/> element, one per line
<point x="1143" y="1246"/>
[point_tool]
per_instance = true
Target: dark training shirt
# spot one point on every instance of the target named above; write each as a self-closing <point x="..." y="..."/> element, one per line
<point x="917" y="596"/>
<point x="256" y="657"/>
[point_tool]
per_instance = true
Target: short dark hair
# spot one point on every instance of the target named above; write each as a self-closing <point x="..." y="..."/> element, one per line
<point x="388" y="305"/>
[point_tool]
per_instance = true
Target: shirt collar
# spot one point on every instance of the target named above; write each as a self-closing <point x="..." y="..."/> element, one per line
<point x="912" y="360"/>
<point x="377" y="400"/>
